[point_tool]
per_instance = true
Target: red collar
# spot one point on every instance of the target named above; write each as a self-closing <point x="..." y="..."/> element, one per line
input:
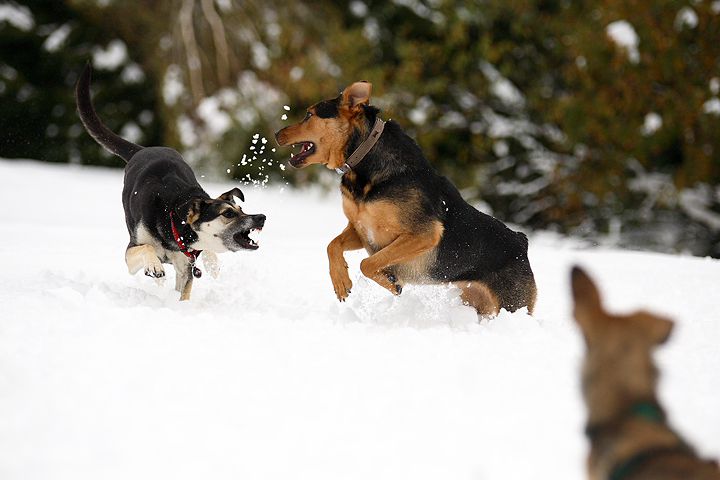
<point x="188" y="252"/>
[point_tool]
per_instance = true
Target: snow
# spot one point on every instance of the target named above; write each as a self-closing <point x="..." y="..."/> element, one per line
<point x="652" y="123"/>
<point x="211" y="111"/>
<point x="712" y="106"/>
<point x="132" y="73"/>
<point x="714" y="85"/>
<point x="501" y="87"/>
<point x="686" y="17"/>
<point x="18" y="16"/>
<point x="172" y="87"/>
<point x="111" y="57"/>
<point x="263" y="374"/>
<point x="419" y="114"/>
<point x="623" y="34"/>
<point x="358" y="8"/>
<point x="57" y="38"/>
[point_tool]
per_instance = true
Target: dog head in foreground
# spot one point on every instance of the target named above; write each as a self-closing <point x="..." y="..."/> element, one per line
<point x="328" y="126"/>
<point x="627" y="428"/>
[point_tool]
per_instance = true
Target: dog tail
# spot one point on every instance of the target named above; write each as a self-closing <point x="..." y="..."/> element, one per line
<point x="104" y="136"/>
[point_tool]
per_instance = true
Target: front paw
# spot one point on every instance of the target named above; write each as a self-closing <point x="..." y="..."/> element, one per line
<point x="341" y="282"/>
<point x="395" y="285"/>
<point x="155" y="270"/>
<point x="385" y="279"/>
<point x="211" y="263"/>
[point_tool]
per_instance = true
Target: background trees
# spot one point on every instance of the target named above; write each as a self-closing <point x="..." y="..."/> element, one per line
<point x="595" y="118"/>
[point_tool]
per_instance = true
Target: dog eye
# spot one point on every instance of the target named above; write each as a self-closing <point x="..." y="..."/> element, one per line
<point x="229" y="214"/>
<point x="307" y="116"/>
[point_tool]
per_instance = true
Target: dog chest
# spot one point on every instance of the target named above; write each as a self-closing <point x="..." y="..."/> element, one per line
<point x="378" y="223"/>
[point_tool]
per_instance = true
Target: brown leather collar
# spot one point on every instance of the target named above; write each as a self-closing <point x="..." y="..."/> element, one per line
<point x="367" y="145"/>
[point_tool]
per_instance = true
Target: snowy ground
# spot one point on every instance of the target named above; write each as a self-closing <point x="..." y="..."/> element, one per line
<point x="264" y="375"/>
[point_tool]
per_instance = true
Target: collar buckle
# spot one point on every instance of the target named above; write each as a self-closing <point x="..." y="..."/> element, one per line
<point x="345" y="168"/>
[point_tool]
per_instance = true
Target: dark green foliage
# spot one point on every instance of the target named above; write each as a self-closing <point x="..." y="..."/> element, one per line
<point x="527" y="105"/>
<point x="36" y="100"/>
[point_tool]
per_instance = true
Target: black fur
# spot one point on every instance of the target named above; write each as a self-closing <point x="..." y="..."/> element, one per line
<point x="328" y="108"/>
<point x="160" y="186"/>
<point x="474" y="246"/>
<point x="112" y="142"/>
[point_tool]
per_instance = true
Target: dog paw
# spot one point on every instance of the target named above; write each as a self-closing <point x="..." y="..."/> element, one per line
<point x="341" y="283"/>
<point x="394" y="287"/>
<point x="155" y="270"/>
<point x="211" y="263"/>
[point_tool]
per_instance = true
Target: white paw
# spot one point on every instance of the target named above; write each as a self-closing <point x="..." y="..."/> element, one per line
<point x="155" y="269"/>
<point x="211" y="263"/>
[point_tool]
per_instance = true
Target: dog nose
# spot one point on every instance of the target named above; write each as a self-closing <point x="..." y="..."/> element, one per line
<point x="260" y="219"/>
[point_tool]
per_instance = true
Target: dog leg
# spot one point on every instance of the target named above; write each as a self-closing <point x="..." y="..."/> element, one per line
<point x="183" y="275"/>
<point x="479" y="296"/>
<point x="403" y="248"/>
<point x="143" y="256"/>
<point x="347" y="240"/>
<point x="186" y="289"/>
<point x="183" y="281"/>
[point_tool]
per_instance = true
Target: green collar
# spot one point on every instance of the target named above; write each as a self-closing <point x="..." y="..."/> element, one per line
<point x="649" y="411"/>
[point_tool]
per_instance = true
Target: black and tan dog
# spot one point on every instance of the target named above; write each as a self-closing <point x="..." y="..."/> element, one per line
<point x="413" y="223"/>
<point x="629" y="436"/>
<point x="170" y="218"/>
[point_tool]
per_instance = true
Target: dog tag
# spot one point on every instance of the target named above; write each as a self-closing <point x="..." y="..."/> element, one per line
<point x="197" y="273"/>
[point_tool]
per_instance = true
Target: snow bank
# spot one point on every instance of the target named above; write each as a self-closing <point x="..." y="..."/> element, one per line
<point x="264" y="375"/>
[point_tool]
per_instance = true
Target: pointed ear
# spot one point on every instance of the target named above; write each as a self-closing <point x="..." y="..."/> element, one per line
<point x="357" y="94"/>
<point x="657" y="329"/>
<point x="662" y="330"/>
<point x="588" y="307"/>
<point x="228" y="196"/>
<point x="194" y="210"/>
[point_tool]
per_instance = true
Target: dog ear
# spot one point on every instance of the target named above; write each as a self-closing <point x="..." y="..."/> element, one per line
<point x="228" y="196"/>
<point x="194" y="210"/>
<point x="357" y="94"/>
<point x="657" y="329"/>
<point x="588" y="307"/>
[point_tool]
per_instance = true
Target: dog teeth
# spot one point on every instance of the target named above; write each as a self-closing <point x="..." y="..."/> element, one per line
<point x="254" y="232"/>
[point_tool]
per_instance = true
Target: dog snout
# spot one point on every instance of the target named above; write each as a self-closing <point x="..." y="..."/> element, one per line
<point x="259" y="220"/>
<point x="280" y="137"/>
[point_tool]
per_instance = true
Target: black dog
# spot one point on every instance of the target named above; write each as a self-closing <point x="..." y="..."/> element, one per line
<point x="170" y="218"/>
<point x="413" y="222"/>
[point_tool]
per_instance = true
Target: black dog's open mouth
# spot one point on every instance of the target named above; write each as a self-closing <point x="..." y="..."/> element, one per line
<point x="306" y="149"/>
<point x="243" y="239"/>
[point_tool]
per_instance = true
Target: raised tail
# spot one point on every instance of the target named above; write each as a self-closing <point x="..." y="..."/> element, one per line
<point x="104" y="136"/>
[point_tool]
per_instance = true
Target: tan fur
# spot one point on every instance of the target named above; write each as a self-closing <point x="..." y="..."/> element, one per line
<point x="619" y="373"/>
<point x="480" y="296"/>
<point x="186" y="289"/>
<point x="386" y="231"/>
<point x="405" y="247"/>
<point x="143" y="256"/>
<point x="346" y="241"/>
<point x="330" y="135"/>
<point x="192" y="216"/>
